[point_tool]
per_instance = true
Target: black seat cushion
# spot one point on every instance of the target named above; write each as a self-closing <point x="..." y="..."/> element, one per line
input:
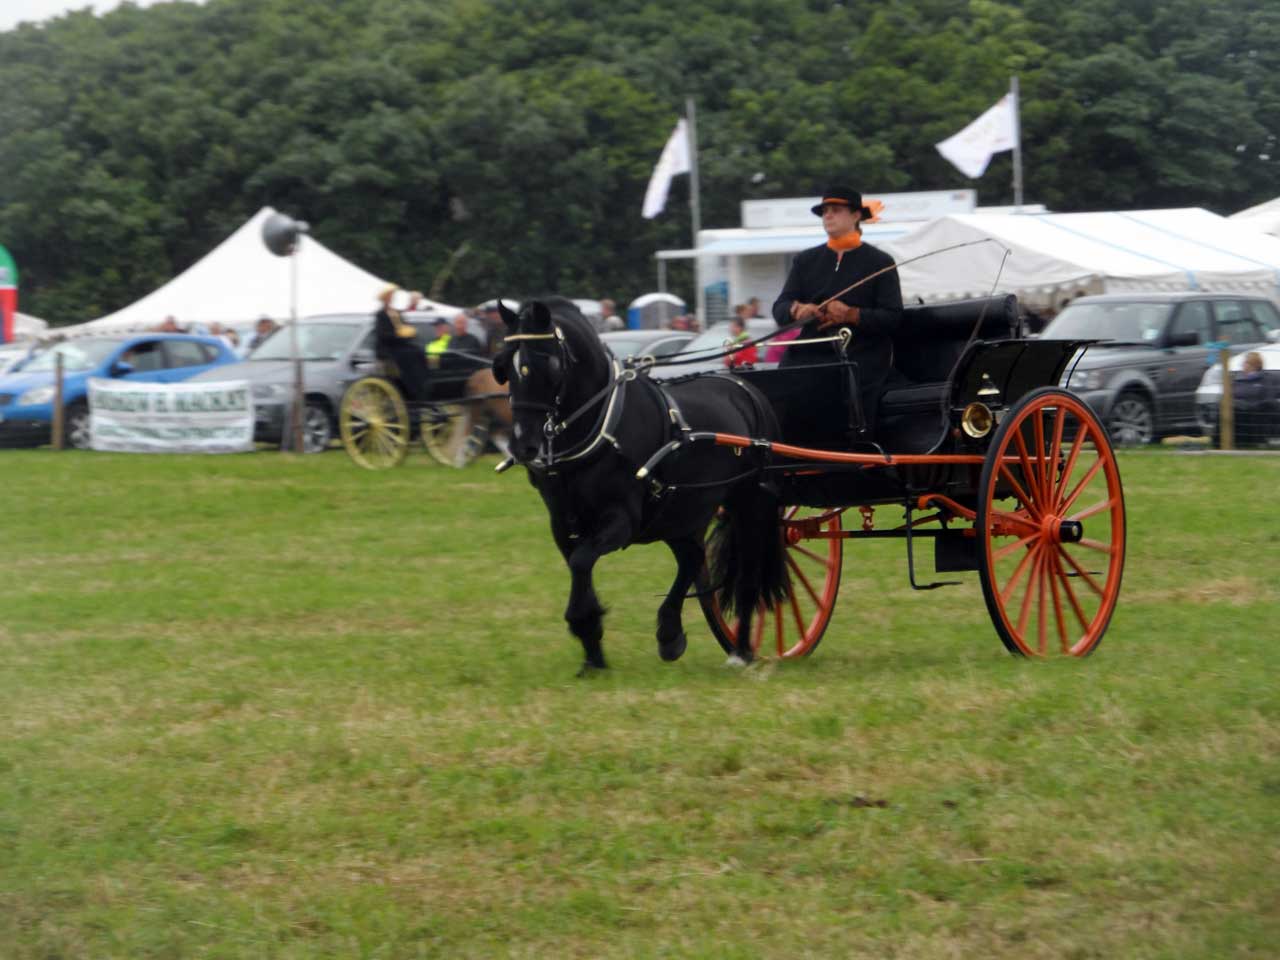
<point x="916" y="398"/>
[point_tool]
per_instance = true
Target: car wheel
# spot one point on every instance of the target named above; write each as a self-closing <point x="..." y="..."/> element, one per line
<point x="76" y="427"/>
<point x="317" y="429"/>
<point x="1132" y="421"/>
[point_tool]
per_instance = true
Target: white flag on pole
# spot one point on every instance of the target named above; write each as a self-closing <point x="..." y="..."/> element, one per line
<point x="674" y="160"/>
<point x="971" y="149"/>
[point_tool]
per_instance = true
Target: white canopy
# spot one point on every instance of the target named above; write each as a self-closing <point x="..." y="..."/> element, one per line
<point x="1064" y="253"/>
<point x="1264" y="217"/>
<point x="240" y="280"/>
<point x="26" y="326"/>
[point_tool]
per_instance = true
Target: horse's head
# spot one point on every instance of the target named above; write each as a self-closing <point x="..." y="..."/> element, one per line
<point x="534" y="363"/>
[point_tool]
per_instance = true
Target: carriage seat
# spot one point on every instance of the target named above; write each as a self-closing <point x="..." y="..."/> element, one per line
<point x="930" y="339"/>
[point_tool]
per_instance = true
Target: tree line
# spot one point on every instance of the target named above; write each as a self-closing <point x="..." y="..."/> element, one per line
<point x="480" y="147"/>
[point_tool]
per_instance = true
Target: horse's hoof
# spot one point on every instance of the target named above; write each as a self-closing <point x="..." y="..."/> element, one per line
<point x="673" y="649"/>
<point x="589" y="669"/>
<point x="735" y="661"/>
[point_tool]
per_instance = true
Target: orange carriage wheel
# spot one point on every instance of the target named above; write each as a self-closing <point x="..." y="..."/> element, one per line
<point x="1051" y="527"/>
<point x="793" y="628"/>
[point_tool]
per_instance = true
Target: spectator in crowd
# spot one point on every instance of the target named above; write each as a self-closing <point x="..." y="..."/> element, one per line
<point x="742" y="312"/>
<point x="1252" y="402"/>
<point x="169" y="325"/>
<point x="681" y="322"/>
<point x="441" y="335"/>
<point x="462" y="340"/>
<point x="493" y="327"/>
<point x="609" y="315"/>
<point x="753" y="309"/>
<point x="264" y="328"/>
<point x="394" y="344"/>
<point x="738" y="334"/>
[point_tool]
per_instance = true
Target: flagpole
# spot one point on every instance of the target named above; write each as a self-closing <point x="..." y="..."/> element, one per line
<point x="1017" y="143"/>
<point x="695" y="213"/>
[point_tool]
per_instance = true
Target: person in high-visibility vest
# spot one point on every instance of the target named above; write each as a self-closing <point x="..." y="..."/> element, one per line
<point x="437" y="347"/>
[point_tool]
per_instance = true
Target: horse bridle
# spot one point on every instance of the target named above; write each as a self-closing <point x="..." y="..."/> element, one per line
<point x="609" y="414"/>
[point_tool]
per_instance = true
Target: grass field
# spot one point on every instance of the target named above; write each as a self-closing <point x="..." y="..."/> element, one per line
<point x="265" y="706"/>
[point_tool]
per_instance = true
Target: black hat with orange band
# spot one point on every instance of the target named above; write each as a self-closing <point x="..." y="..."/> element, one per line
<point x="846" y="195"/>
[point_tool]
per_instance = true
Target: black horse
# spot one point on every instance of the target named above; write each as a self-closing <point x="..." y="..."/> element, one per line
<point x="583" y="427"/>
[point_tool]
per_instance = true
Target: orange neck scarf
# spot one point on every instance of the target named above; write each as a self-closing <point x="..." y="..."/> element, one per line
<point x="850" y="241"/>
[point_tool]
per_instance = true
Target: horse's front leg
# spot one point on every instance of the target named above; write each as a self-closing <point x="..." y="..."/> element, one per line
<point x="584" y="613"/>
<point x="690" y="557"/>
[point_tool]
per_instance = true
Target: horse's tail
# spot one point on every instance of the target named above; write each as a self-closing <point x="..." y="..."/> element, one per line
<point x="748" y="557"/>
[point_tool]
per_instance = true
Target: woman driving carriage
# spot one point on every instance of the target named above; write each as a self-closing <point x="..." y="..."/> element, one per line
<point x="395" y="343"/>
<point x="818" y="292"/>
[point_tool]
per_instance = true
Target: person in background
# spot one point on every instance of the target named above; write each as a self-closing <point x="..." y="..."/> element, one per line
<point x="264" y="328"/>
<point x="747" y="356"/>
<point x="169" y="325"/>
<point x="1252" y="403"/>
<point x="462" y="340"/>
<point x="394" y="343"/>
<point x="609" y="316"/>
<point x="753" y="309"/>
<point x="441" y="335"/>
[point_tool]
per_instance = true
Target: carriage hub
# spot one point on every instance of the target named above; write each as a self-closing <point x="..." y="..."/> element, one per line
<point x="1070" y="531"/>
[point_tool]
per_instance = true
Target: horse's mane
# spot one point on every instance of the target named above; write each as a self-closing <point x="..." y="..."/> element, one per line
<point x="578" y="331"/>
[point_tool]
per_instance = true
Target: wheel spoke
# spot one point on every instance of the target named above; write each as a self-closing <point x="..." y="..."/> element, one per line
<point x="1019" y="492"/>
<point x="1071" y="594"/>
<point x="1079" y="488"/>
<point x="779" y="640"/>
<point x="1043" y="607"/>
<point x="817" y="558"/>
<point x="1096" y="545"/>
<point x="757" y="628"/>
<point x="1076" y="446"/>
<point x="1055" y="451"/>
<point x="1029" y="472"/>
<point x="1057" y="605"/>
<point x="1042" y="479"/>
<point x="1013" y="547"/>
<point x="795" y="611"/>
<point x="1032" y="578"/>
<point x="1093" y="510"/>
<point x="1081" y="571"/>
<point x="804" y="580"/>
<point x="1017" y="573"/>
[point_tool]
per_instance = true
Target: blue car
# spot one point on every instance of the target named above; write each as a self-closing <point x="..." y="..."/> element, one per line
<point x="26" y="397"/>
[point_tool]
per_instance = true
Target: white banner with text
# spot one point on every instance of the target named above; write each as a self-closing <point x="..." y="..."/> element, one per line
<point x="132" y="417"/>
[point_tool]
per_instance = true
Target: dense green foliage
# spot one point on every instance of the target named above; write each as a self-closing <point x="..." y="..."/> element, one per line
<point x="478" y="146"/>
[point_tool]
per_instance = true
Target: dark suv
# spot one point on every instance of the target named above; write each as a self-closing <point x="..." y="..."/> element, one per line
<point x="1143" y="382"/>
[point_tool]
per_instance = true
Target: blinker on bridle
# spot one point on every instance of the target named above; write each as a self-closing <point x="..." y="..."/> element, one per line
<point x="552" y="409"/>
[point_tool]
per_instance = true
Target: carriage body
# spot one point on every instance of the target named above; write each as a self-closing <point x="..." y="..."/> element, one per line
<point x="978" y="453"/>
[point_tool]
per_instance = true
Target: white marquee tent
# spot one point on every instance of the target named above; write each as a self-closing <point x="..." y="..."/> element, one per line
<point x="1059" y="254"/>
<point x="1264" y="217"/>
<point x="240" y="280"/>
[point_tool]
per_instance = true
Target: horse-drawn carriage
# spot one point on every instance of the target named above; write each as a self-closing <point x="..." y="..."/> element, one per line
<point x="377" y="422"/>
<point x="976" y="449"/>
<point x="982" y="454"/>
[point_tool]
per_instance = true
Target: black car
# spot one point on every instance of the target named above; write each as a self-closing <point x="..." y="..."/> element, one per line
<point x="1142" y="382"/>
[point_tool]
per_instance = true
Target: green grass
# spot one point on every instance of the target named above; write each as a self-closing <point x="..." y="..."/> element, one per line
<point x="264" y="706"/>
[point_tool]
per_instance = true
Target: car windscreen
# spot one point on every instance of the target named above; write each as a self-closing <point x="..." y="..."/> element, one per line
<point x="1133" y="322"/>
<point x="76" y="355"/>
<point x="316" y="341"/>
